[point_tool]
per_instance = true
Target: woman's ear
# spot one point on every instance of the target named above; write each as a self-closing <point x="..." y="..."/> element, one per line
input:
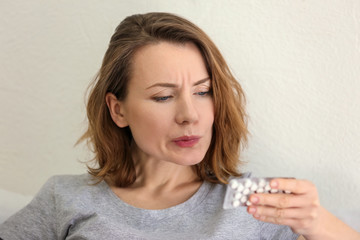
<point x="116" y="109"/>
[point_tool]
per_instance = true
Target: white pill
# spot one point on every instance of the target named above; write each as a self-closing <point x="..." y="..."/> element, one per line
<point x="236" y="203"/>
<point x="246" y="191"/>
<point x="248" y="183"/>
<point x="267" y="188"/>
<point x="254" y="186"/>
<point x="234" y="183"/>
<point x="243" y="199"/>
<point x="274" y="190"/>
<point x="240" y="188"/>
<point x="262" y="182"/>
<point x="260" y="190"/>
<point x="237" y="195"/>
<point x="248" y="203"/>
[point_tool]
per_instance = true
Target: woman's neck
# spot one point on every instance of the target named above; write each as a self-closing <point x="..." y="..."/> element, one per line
<point x="156" y="174"/>
<point x="159" y="184"/>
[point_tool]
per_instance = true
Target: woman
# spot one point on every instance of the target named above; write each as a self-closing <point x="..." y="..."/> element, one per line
<point x="166" y="123"/>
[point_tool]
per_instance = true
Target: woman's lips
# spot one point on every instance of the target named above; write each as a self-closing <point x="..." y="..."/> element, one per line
<point x="186" y="141"/>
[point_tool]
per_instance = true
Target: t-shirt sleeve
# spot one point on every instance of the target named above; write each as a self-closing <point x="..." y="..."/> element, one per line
<point x="270" y="231"/>
<point x="34" y="221"/>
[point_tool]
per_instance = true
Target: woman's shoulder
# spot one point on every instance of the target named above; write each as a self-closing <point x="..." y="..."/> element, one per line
<point x="72" y="185"/>
<point x="71" y="180"/>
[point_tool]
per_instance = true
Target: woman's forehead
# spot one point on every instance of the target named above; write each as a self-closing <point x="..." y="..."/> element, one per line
<point x="168" y="62"/>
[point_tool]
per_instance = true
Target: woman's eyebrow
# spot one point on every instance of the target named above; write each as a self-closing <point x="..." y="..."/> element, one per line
<point x="202" y="81"/>
<point x="171" y="85"/>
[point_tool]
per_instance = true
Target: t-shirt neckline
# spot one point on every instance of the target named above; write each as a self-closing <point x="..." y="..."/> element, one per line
<point x="194" y="201"/>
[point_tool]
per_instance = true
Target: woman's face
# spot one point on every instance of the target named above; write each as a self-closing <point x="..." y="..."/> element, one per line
<point x="169" y="108"/>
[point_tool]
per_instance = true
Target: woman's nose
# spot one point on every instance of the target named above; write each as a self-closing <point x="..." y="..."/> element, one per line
<point x="186" y="112"/>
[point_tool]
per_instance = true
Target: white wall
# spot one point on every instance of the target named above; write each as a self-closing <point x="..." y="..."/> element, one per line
<point x="298" y="62"/>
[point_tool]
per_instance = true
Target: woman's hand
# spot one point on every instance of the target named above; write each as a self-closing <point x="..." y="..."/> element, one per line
<point x="301" y="210"/>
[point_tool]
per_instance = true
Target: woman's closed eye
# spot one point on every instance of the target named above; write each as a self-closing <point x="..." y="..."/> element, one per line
<point x="162" y="98"/>
<point x="203" y="93"/>
<point x="167" y="98"/>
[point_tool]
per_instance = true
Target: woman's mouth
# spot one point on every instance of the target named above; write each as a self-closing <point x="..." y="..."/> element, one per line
<point x="186" y="141"/>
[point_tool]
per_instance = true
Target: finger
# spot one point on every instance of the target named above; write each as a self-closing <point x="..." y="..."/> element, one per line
<point x="293" y="185"/>
<point x="291" y="222"/>
<point x="294" y="213"/>
<point x="298" y="225"/>
<point x="280" y="200"/>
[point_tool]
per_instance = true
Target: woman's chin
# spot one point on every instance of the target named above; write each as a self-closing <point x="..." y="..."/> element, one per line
<point x="190" y="160"/>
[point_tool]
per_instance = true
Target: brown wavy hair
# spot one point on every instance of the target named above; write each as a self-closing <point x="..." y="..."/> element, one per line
<point x="111" y="144"/>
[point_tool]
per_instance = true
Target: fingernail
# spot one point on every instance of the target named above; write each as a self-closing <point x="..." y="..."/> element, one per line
<point x="252" y="210"/>
<point x="254" y="199"/>
<point x="274" y="184"/>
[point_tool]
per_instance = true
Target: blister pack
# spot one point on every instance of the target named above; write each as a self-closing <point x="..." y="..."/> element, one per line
<point x="239" y="190"/>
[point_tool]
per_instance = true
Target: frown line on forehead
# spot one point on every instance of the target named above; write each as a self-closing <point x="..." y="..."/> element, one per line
<point x="172" y="85"/>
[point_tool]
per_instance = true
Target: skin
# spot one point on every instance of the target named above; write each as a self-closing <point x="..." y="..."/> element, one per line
<point x="168" y="98"/>
<point x="301" y="210"/>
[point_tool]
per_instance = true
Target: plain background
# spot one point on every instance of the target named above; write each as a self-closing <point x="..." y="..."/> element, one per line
<point x="298" y="62"/>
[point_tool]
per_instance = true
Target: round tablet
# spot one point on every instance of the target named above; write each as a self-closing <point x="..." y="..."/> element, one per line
<point x="274" y="190"/>
<point x="262" y="182"/>
<point x="237" y="195"/>
<point x="236" y="203"/>
<point x="254" y="186"/>
<point x="234" y="183"/>
<point x="240" y="188"/>
<point x="246" y="191"/>
<point x="248" y="183"/>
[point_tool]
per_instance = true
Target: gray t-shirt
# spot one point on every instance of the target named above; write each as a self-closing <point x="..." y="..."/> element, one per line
<point x="70" y="207"/>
